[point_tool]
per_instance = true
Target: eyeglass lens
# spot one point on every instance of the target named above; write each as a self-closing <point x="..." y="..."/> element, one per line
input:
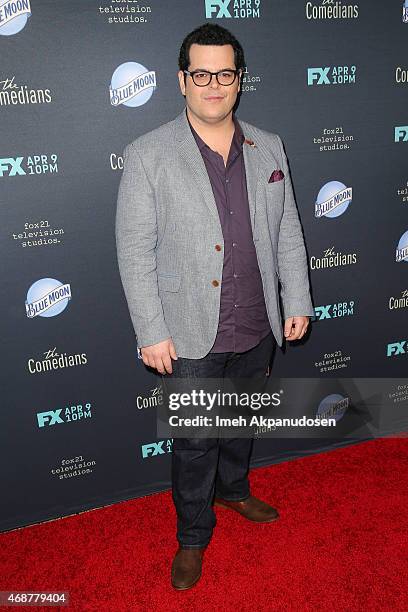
<point x="226" y="77"/>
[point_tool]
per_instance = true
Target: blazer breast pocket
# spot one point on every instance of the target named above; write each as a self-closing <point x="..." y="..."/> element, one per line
<point x="274" y="192"/>
<point x="275" y="185"/>
<point x="169" y="282"/>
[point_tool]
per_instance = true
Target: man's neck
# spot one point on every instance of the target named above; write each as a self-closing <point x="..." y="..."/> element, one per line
<point x="213" y="133"/>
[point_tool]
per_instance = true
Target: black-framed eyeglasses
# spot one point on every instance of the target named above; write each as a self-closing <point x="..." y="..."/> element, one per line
<point x="202" y="78"/>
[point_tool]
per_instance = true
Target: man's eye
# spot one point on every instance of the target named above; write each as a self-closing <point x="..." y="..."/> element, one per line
<point x="226" y="73"/>
<point x="201" y="75"/>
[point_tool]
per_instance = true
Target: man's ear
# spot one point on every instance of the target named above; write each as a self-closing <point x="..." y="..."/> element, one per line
<point x="239" y="79"/>
<point x="182" y="82"/>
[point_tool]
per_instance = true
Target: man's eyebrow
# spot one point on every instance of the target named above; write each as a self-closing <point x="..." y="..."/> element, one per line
<point x="206" y="69"/>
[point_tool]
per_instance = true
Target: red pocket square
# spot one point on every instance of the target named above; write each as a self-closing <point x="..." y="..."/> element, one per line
<point x="277" y="175"/>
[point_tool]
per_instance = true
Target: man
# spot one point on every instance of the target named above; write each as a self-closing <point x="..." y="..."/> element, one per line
<point x="206" y="227"/>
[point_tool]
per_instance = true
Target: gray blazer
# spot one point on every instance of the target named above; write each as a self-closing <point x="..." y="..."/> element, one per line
<point x="167" y="226"/>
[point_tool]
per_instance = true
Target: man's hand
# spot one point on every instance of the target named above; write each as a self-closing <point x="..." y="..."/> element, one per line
<point x="295" y="327"/>
<point x="159" y="355"/>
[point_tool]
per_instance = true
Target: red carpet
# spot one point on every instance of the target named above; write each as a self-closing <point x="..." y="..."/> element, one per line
<point x="340" y="544"/>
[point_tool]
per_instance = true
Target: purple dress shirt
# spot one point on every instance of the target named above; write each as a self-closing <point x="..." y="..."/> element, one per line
<point x="243" y="320"/>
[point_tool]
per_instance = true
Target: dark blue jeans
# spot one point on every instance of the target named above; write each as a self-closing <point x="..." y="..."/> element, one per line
<point x="204" y="467"/>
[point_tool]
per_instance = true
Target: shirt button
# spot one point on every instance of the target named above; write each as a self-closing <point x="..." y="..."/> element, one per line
<point x="235" y="305"/>
<point x="215" y="283"/>
<point x="231" y="212"/>
<point x="227" y="180"/>
<point x="235" y="275"/>
<point x="234" y="244"/>
<point x="218" y="247"/>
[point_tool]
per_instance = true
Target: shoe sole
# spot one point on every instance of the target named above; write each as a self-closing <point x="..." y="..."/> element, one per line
<point x="248" y="519"/>
<point x="184" y="588"/>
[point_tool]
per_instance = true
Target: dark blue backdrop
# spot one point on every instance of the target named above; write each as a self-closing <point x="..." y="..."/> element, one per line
<point x="330" y="78"/>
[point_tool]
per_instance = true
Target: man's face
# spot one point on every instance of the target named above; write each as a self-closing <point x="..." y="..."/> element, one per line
<point x="214" y="102"/>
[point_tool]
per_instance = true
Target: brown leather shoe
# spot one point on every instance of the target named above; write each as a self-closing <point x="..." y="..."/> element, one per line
<point x="251" y="508"/>
<point x="186" y="567"/>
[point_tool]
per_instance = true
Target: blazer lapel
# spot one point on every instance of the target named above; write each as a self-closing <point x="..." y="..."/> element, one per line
<point x="191" y="154"/>
<point x="258" y="164"/>
<point x="252" y="163"/>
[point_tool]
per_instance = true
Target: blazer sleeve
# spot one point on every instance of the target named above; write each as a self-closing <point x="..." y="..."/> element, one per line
<point x="136" y="240"/>
<point x="291" y="254"/>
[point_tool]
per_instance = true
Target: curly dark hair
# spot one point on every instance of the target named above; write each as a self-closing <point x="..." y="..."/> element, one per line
<point x="210" y="34"/>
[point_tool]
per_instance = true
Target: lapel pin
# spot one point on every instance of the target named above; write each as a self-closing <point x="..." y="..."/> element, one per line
<point x="250" y="143"/>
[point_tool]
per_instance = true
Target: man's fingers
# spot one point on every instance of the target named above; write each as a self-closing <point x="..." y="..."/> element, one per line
<point x="159" y="356"/>
<point x="298" y="328"/>
<point x="159" y="361"/>
<point x="146" y="359"/>
<point x="288" y="327"/>
<point x="295" y="331"/>
<point x="173" y="353"/>
<point x="149" y="358"/>
<point x="158" y="364"/>
<point x="167" y="363"/>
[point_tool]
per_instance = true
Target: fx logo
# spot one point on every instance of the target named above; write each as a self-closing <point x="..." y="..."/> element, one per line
<point x="53" y="416"/>
<point x="155" y="448"/>
<point x="15" y="166"/>
<point x="322" y="312"/>
<point x="319" y="74"/>
<point x="401" y="133"/>
<point x="219" y="6"/>
<point x="396" y="348"/>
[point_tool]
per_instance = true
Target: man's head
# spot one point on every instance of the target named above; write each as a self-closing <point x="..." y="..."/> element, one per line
<point x="210" y="48"/>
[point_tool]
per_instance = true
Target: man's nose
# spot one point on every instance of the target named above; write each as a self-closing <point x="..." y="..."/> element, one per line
<point x="214" y="82"/>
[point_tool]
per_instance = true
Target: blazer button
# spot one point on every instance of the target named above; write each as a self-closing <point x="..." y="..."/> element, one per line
<point x="218" y="247"/>
<point x="215" y="283"/>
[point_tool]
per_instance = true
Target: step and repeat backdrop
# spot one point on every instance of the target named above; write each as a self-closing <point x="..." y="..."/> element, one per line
<point x="78" y="418"/>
